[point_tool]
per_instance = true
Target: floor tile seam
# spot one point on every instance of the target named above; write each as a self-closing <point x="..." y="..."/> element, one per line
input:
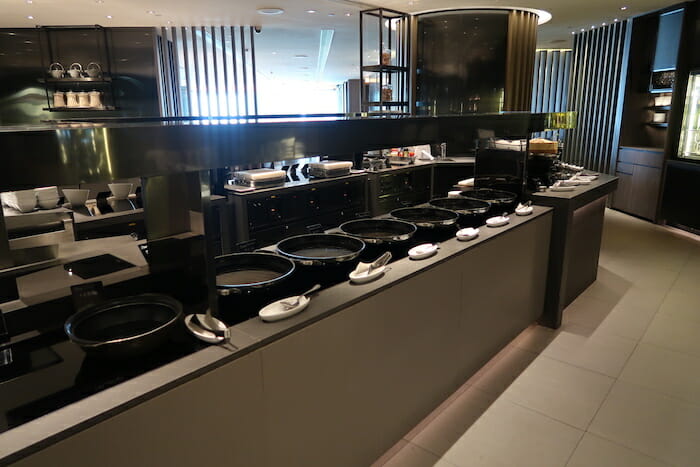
<point x="440" y="456"/>
<point x="660" y="393"/>
<point x="580" y="367"/>
<point x="632" y="448"/>
<point x="533" y="410"/>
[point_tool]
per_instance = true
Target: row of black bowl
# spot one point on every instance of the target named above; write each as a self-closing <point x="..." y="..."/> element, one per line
<point x="248" y="281"/>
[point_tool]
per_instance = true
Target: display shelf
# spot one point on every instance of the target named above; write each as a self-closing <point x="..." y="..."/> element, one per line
<point x="104" y="79"/>
<point x="659" y="107"/>
<point x="659" y="125"/>
<point x="384" y="68"/>
<point x="387" y="103"/>
<point x="106" y="108"/>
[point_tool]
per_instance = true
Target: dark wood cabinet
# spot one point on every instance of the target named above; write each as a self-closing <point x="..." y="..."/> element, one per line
<point x="639" y="171"/>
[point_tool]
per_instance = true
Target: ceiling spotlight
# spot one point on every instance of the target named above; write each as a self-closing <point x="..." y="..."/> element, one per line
<point x="582" y="29"/>
<point x="573" y="32"/>
<point x="623" y="8"/>
<point x="274" y="53"/>
<point x="616" y="20"/>
<point x="28" y="2"/>
<point x="270" y="11"/>
<point x="348" y="14"/>
<point x="592" y="26"/>
<point x="30" y="17"/>
<point x="109" y="16"/>
<point x="170" y="22"/>
<point x="151" y="12"/>
<point x="311" y="11"/>
<point x="604" y="24"/>
<point x="99" y="1"/>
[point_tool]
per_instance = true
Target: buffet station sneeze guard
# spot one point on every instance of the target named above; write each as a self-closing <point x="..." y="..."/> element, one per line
<point x="81" y="152"/>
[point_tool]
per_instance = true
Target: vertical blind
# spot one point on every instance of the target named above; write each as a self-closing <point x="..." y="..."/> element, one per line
<point x="550" y="89"/>
<point x="208" y="71"/>
<point x="598" y="70"/>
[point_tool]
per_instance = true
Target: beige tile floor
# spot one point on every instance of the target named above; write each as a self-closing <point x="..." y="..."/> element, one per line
<point x="618" y="385"/>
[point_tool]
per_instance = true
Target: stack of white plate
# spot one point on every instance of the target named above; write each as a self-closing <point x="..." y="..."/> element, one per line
<point x="23" y="201"/>
<point x="47" y="197"/>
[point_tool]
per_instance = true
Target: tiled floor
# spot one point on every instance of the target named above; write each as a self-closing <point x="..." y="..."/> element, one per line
<point x="617" y="385"/>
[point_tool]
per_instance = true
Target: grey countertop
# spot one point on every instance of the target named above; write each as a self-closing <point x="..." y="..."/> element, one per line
<point x="604" y="184"/>
<point x="245" y="337"/>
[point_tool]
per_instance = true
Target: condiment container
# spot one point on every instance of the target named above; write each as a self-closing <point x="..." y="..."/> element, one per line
<point x="59" y="99"/>
<point x="72" y="99"/>
<point x="95" y="99"/>
<point x="83" y="99"/>
<point x="386" y="57"/>
<point x="387" y="93"/>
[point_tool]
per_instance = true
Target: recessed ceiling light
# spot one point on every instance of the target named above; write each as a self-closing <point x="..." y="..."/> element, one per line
<point x="311" y="11"/>
<point x="274" y="53"/>
<point x="582" y="29"/>
<point x="604" y="24"/>
<point x="592" y="26"/>
<point x="573" y="32"/>
<point x="28" y="2"/>
<point x="348" y="14"/>
<point x="270" y="11"/>
<point x="99" y="1"/>
<point x="623" y="8"/>
<point x="616" y="20"/>
<point x="170" y="22"/>
<point x="151" y="12"/>
<point x="30" y="17"/>
<point x="109" y="16"/>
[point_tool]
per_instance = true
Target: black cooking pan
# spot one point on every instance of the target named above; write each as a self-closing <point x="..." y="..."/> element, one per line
<point x="324" y="259"/>
<point x="379" y="231"/>
<point x="125" y="327"/>
<point x="246" y="282"/>
<point x="239" y="273"/>
<point x="428" y="218"/>
<point x="501" y="201"/>
<point x="321" y="249"/>
<point x="472" y="212"/>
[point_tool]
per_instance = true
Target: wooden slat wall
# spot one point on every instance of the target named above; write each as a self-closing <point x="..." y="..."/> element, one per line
<point x="522" y="40"/>
<point x="550" y="89"/>
<point x="208" y="71"/>
<point x="599" y="66"/>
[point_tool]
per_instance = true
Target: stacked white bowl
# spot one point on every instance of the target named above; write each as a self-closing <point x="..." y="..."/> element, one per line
<point x="23" y="201"/>
<point x="76" y="197"/>
<point x="47" y="197"/>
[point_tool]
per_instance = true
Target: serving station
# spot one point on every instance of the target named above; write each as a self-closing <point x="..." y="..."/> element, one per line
<point x="389" y="292"/>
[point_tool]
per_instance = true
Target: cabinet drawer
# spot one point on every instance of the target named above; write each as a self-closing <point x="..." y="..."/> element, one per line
<point x="649" y="157"/>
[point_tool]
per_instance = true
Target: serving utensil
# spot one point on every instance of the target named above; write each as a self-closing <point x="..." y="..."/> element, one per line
<point x="292" y="302"/>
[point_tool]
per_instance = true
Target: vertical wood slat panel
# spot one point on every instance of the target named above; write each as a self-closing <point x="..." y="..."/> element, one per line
<point x="594" y="94"/>
<point x="520" y="60"/>
<point x="550" y="85"/>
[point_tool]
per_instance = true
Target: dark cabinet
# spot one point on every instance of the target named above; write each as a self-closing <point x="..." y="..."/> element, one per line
<point x="668" y="40"/>
<point x="639" y="170"/>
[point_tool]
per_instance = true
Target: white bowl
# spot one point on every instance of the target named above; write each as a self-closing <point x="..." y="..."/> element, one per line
<point x="276" y="311"/>
<point x="120" y="190"/>
<point x="497" y="221"/>
<point x="48" y="192"/>
<point x="363" y="277"/>
<point x="48" y="203"/>
<point x="24" y="205"/>
<point x="76" y="197"/>
<point x="467" y="234"/>
<point x="423" y="251"/>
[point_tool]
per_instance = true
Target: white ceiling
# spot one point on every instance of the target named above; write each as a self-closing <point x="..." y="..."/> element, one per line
<point x="296" y="31"/>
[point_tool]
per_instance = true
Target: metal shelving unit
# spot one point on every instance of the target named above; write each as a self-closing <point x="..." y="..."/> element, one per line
<point x="384" y="61"/>
<point x="102" y="83"/>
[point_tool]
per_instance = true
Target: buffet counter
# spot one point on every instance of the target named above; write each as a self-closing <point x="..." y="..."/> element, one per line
<point x="337" y="384"/>
<point x="577" y="229"/>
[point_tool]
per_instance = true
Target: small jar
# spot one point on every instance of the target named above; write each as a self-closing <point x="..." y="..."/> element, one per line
<point x="59" y="99"/>
<point x="387" y="93"/>
<point x="72" y="99"/>
<point x="83" y="99"/>
<point x="95" y="99"/>
<point x="386" y="57"/>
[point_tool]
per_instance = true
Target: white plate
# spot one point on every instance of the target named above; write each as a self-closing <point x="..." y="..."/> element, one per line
<point x="524" y="211"/>
<point x="467" y="234"/>
<point x="276" y="311"/>
<point x="497" y="221"/>
<point x="562" y="188"/>
<point x="363" y="277"/>
<point x="569" y="183"/>
<point x="423" y="251"/>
